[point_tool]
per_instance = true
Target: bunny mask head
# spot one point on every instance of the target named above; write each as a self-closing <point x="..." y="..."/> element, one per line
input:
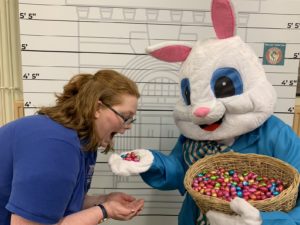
<point x="224" y="90"/>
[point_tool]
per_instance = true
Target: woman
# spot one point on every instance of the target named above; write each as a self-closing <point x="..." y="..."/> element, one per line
<point x="47" y="160"/>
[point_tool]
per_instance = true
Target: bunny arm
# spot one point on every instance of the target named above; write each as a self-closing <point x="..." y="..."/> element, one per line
<point x="277" y="139"/>
<point x="167" y="171"/>
<point x="286" y="146"/>
<point x="282" y="218"/>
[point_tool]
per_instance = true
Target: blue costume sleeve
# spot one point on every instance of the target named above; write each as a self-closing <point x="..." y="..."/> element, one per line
<point x="167" y="172"/>
<point x="285" y="146"/>
<point x="44" y="177"/>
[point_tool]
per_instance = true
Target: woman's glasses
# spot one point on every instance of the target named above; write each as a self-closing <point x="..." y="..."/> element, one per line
<point x="127" y="121"/>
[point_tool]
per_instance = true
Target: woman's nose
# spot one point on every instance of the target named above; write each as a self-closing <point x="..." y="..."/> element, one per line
<point x="125" y="127"/>
<point x="201" y="111"/>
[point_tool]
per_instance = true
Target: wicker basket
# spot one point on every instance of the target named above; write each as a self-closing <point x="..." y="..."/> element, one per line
<point x="261" y="165"/>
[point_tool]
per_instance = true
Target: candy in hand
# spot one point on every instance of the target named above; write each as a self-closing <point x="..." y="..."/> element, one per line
<point x="131" y="156"/>
<point x="131" y="163"/>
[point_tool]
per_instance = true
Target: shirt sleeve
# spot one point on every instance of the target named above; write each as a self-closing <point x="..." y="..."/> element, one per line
<point x="44" y="177"/>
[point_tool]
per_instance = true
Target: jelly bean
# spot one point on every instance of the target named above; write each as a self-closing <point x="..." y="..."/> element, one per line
<point x="258" y="197"/>
<point x="263" y="197"/>
<point x="210" y="186"/>
<point x="252" y="196"/>
<point x="252" y="190"/>
<point x="263" y="189"/>
<point x="217" y="185"/>
<point x="220" y="194"/>
<point x="280" y="188"/>
<point x="268" y="194"/>
<point x="245" y="183"/>
<point x="247" y="193"/>
<point x="241" y="178"/>
<point x="240" y="194"/>
<point x="232" y="189"/>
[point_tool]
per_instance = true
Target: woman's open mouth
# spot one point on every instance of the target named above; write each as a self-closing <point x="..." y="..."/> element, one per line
<point x="113" y="134"/>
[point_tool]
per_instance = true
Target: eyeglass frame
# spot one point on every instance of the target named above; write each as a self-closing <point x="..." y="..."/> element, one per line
<point x="126" y="121"/>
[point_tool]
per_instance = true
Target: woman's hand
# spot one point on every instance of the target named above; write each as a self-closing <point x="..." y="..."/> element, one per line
<point x="120" y="206"/>
<point x="92" y="200"/>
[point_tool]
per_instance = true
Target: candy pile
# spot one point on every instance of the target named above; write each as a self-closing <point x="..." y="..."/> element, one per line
<point x="229" y="184"/>
<point x="131" y="156"/>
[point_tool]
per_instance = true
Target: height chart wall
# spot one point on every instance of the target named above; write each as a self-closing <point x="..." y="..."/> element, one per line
<point x="60" y="38"/>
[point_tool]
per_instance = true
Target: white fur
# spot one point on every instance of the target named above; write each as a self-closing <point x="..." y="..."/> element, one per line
<point x="246" y="214"/>
<point x="123" y="167"/>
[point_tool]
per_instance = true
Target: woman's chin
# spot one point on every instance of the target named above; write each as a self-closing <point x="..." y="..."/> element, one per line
<point x="107" y="142"/>
<point x="104" y="144"/>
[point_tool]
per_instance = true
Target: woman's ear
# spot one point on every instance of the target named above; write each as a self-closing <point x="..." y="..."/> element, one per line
<point x="98" y="110"/>
<point x="97" y="113"/>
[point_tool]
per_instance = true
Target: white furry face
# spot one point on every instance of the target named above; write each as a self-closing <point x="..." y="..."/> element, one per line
<point x="225" y="92"/>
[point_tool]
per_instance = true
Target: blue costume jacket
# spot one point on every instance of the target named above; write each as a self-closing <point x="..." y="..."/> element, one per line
<point x="273" y="138"/>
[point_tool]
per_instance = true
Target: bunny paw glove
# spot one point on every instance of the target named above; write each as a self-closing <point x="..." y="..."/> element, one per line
<point x="246" y="214"/>
<point x="131" y="163"/>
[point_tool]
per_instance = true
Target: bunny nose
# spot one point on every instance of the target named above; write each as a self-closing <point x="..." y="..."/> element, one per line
<point x="201" y="111"/>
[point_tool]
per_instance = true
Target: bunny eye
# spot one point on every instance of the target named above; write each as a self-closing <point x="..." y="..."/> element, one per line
<point x="186" y="91"/>
<point x="226" y="82"/>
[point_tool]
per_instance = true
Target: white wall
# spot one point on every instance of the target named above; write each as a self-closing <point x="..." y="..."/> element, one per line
<point x="60" y="38"/>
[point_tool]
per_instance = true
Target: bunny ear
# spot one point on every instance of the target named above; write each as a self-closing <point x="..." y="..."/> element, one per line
<point x="170" y="51"/>
<point x="222" y="15"/>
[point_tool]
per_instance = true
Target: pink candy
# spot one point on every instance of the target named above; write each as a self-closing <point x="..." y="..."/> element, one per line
<point x="130" y="156"/>
<point x="229" y="184"/>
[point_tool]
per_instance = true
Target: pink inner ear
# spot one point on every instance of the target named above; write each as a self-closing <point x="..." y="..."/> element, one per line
<point x="223" y="18"/>
<point x="173" y="53"/>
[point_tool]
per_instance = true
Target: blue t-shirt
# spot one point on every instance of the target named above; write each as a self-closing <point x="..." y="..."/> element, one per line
<point x="44" y="174"/>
